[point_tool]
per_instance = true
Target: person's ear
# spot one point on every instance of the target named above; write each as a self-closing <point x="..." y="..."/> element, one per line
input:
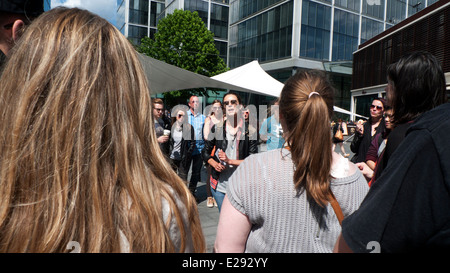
<point x="17" y="29"/>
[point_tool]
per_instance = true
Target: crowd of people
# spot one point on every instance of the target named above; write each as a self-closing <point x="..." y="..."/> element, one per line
<point x="88" y="156"/>
<point x="223" y="138"/>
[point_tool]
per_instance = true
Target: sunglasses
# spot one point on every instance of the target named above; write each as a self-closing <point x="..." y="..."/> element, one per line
<point x="158" y="110"/>
<point x="232" y="102"/>
<point x="180" y="115"/>
<point x="8" y="26"/>
<point x="379" y="108"/>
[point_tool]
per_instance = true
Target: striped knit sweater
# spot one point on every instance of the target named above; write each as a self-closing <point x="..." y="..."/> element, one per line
<point x="284" y="220"/>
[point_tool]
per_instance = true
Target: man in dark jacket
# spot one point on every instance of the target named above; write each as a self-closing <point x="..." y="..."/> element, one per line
<point x="408" y="208"/>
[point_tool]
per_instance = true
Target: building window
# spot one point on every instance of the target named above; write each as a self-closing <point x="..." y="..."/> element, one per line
<point x="218" y="19"/>
<point x="345" y="35"/>
<point x="415" y="6"/>
<point x="349" y="4"/>
<point x="373" y="8"/>
<point x="244" y="8"/>
<point x="136" y="33"/>
<point x="139" y="12"/>
<point x="315" y="31"/>
<point x="370" y="28"/>
<point x="155" y="11"/>
<point x="396" y="11"/>
<point x="265" y="37"/>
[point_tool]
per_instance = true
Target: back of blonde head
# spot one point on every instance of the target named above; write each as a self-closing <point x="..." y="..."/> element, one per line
<point x="306" y="105"/>
<point x="80" y="161"/>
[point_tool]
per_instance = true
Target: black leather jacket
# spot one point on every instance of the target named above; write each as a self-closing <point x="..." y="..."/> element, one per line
<point x="248" y="144"/>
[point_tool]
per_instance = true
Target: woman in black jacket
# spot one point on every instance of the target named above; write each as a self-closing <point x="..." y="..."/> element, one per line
<point x="182" y="142"/>
<point x="366" y="132"/>
<point x="232" y="143"/>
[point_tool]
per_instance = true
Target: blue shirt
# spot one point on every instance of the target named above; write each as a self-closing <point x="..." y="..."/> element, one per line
<point x="197" y="122"/>
<point x="272" y="129"/>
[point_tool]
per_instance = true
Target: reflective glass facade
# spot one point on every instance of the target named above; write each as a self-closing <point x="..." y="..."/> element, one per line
<point x="215" y="17"/>
<point x="287" y="35"/>
<point x="139" y="18"/>
<point x="315" y="31"/>
<point x="283" y="35"/>
<point x="329" y="30"/>
<point x="266" y="36"/>
<point x="345" y="35"/>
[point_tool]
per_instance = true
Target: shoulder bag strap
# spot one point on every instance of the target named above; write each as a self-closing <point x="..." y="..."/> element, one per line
<point x="337" y="209"/>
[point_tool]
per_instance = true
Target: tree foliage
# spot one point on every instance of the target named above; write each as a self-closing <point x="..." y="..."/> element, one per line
<point x="183" y="40"/>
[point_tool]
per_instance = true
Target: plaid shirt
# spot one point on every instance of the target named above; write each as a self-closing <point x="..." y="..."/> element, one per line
<point x="197" y="122"/>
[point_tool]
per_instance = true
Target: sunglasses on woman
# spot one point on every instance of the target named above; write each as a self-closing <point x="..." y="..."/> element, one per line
<point x="233" y="102"/>
<point x="379" y="108"/>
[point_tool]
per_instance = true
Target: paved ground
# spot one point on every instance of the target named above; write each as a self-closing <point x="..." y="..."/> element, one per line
<point x="209" y="217"/>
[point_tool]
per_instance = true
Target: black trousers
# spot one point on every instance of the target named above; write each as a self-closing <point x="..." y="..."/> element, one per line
<point x="178" y="168"/>
<point x="197" y="164"/>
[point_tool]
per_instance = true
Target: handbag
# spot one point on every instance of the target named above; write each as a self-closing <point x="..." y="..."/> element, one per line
<point x="339" y="135"/>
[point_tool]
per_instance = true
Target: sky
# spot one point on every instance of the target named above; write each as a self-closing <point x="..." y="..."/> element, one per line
<point x="104" y="8"/>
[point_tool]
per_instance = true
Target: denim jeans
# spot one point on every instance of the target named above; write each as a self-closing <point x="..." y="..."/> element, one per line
<point x="218" y="196"/>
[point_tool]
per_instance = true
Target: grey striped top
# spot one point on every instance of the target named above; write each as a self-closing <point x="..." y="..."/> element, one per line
<point x="283" y="220"/>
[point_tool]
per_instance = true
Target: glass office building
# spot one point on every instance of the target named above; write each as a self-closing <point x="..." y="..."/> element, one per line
<point x="283" y="35"/>
<point x="139" y="18"/>
<point x="288" y="35"/>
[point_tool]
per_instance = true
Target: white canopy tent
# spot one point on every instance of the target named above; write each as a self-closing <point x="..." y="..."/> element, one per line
<point x="163" y="77"/>
<point x="252" y="76"/>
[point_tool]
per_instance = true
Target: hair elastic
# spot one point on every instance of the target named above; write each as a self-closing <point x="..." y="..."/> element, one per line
<point x="312" y="93"/>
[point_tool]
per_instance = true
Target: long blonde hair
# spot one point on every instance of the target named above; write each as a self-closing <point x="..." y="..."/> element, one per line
<point x="306" y="105"/>
<point x="79" y="156"/>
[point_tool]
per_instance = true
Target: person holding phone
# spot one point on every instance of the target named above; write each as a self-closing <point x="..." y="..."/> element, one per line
<point x="233" y="143"/>
<point x="366" y="132"/>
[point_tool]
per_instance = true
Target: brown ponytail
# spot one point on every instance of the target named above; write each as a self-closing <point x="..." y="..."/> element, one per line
<point x="306" y="104"/>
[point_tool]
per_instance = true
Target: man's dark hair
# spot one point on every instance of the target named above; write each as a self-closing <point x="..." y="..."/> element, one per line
<point x="235" y="94"/>
<point x="419" y="85"/>
<point x="30" y="8"/>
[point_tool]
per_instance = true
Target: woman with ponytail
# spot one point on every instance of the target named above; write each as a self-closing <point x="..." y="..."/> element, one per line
<point x="279" y="201"/>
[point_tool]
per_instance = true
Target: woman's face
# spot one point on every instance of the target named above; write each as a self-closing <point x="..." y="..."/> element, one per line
<point x="231" y="104"/>
<point x="216" y="109"/>
<point x="376" y="109"/>
<point x="180" y="116"/>
<point x="388" y="119"/>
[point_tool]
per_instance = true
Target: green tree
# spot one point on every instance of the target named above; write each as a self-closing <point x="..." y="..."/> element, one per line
<point x="183" y="40"/>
